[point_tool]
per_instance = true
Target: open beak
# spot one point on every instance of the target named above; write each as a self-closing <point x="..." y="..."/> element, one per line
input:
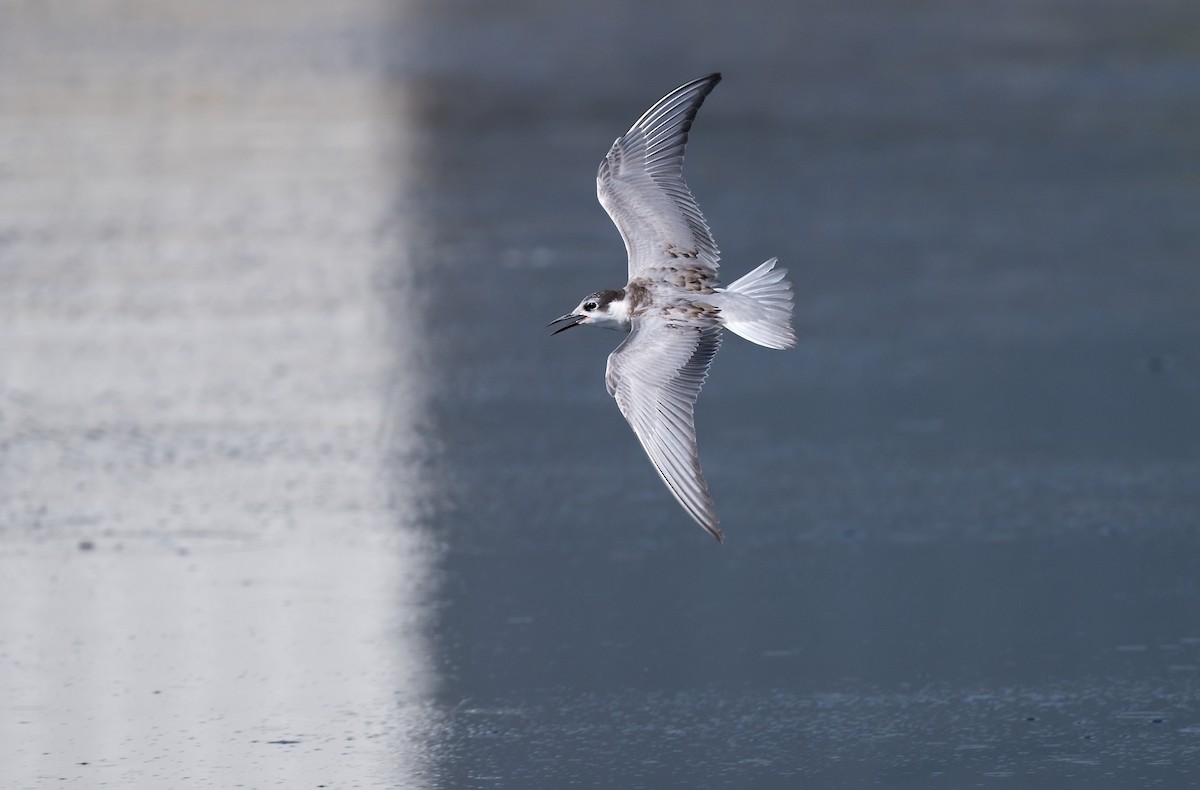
<point x="572" y="317"/>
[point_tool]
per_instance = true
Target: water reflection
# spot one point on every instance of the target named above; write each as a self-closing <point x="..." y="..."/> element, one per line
<point x="212" y="559"/>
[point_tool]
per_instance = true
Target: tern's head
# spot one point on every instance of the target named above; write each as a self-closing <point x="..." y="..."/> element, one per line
<point x="606" y="309"/>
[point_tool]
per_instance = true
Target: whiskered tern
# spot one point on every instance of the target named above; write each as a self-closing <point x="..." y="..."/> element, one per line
<point x="673" y="306"/>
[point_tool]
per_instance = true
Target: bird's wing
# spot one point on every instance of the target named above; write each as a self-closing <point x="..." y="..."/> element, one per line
<point x="655" y="376"/>
<point x="640" y="184"/>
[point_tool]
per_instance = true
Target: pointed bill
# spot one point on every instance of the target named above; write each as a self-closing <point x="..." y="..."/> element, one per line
<point x="572" y="318"/>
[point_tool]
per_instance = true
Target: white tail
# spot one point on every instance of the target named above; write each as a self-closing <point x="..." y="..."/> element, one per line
<point x="759" y="307"/>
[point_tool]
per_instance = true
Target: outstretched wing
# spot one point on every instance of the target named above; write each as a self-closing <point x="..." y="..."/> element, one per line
<point x="641" y="186"/>
<point x="655" y="376"/>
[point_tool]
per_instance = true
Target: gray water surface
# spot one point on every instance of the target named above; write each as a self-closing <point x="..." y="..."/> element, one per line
<point x="296" y="490"/>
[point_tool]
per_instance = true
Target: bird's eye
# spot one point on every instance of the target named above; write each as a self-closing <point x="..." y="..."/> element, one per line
<point x="590" y="306"/>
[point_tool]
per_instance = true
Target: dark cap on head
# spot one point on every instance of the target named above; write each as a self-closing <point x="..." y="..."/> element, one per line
<point x="602" y="298"/>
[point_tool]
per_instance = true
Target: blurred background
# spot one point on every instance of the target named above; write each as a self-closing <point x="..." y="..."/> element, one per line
<point x="296" y="490"/>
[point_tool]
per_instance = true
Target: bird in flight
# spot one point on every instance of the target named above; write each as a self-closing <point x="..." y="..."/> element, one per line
<point x="673" y="306"/>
